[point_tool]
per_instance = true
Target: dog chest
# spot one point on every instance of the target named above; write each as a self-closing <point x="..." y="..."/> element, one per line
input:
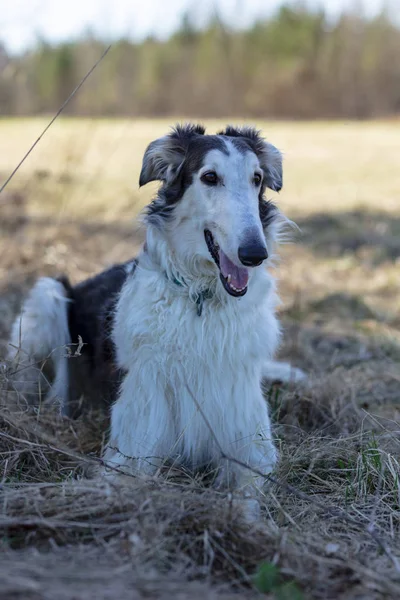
<point x="158" y="323"/>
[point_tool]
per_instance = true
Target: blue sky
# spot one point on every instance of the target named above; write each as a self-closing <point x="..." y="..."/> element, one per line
<point x="23" y="21"/>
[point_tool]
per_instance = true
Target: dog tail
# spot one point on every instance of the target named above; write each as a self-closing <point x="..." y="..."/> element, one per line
<point x="39" y="338"/>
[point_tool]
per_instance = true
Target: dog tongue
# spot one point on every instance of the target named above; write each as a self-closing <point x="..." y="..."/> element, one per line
<point x="239" y="275"/>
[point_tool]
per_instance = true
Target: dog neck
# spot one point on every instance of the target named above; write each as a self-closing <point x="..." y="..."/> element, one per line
<point x="157" y="256"/>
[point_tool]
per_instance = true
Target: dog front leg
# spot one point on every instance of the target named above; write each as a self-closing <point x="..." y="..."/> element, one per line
<point x="142" y="429"/>
<point x="245" y="470"/>
<point x="242" y="472"/>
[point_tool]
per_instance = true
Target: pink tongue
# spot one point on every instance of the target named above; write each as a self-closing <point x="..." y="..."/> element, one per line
<point x="239" y="275"/>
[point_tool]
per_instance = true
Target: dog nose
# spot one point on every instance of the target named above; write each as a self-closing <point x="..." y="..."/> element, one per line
<point x="252" y="255"/>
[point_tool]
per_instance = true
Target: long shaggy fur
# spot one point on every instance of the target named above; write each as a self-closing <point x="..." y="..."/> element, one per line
<point x="168" y="329"/>
<point x="176" y="361"/>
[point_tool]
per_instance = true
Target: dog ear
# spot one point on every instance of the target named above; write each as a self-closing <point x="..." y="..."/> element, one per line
<point x="164" y="158"/>
<point x="270" y="157"/>
<point x="161" y="162"/>
<point x="271" y="163"/>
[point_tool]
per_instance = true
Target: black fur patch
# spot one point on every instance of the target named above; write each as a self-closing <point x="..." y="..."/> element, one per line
<point x="91" y="313"/>
<point x="93" y="373"/>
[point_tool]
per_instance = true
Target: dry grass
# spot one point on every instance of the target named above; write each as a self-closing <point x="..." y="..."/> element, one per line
<point x="86" y="167"/>
<point x="331" y="521"/>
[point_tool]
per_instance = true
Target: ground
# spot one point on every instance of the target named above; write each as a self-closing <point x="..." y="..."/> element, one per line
<point x="331" y="520"/>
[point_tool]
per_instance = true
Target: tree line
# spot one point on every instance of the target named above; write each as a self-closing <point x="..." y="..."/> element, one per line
<point x="295" y="64"/>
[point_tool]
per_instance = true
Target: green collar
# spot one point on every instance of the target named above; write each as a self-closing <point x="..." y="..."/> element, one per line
<point x="202" y="296"/>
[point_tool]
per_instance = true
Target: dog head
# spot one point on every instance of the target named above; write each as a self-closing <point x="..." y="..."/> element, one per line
<point x="211" y="206"/>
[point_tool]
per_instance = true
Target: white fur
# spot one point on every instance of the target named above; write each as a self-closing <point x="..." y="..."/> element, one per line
<point x="168" y="350"/>
<point x="38" y="334"/>
<point x="191" y="381"/>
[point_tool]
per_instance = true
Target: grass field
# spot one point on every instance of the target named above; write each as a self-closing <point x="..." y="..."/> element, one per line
<point x="331" y="525"/>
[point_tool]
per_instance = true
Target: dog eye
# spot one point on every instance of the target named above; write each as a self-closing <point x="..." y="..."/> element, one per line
<point x="257" y="179"/>
<point x="211" y="178"/>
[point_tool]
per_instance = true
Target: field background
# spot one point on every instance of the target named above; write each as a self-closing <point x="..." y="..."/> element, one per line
<point x="72" y="208"/>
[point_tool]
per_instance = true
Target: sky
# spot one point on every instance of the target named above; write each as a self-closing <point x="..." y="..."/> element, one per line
<point x="22" y="22"/>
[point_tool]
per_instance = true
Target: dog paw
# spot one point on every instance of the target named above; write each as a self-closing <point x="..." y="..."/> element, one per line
<point x="251" y="511"/>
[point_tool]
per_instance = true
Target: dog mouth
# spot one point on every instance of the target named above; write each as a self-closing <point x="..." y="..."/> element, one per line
<point x="233" y="278"/>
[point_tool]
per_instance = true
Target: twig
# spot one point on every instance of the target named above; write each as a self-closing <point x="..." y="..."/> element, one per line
<point x="72" y="94"/>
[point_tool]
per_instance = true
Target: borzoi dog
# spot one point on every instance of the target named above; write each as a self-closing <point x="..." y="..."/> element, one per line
<point x="180" y="338"/>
